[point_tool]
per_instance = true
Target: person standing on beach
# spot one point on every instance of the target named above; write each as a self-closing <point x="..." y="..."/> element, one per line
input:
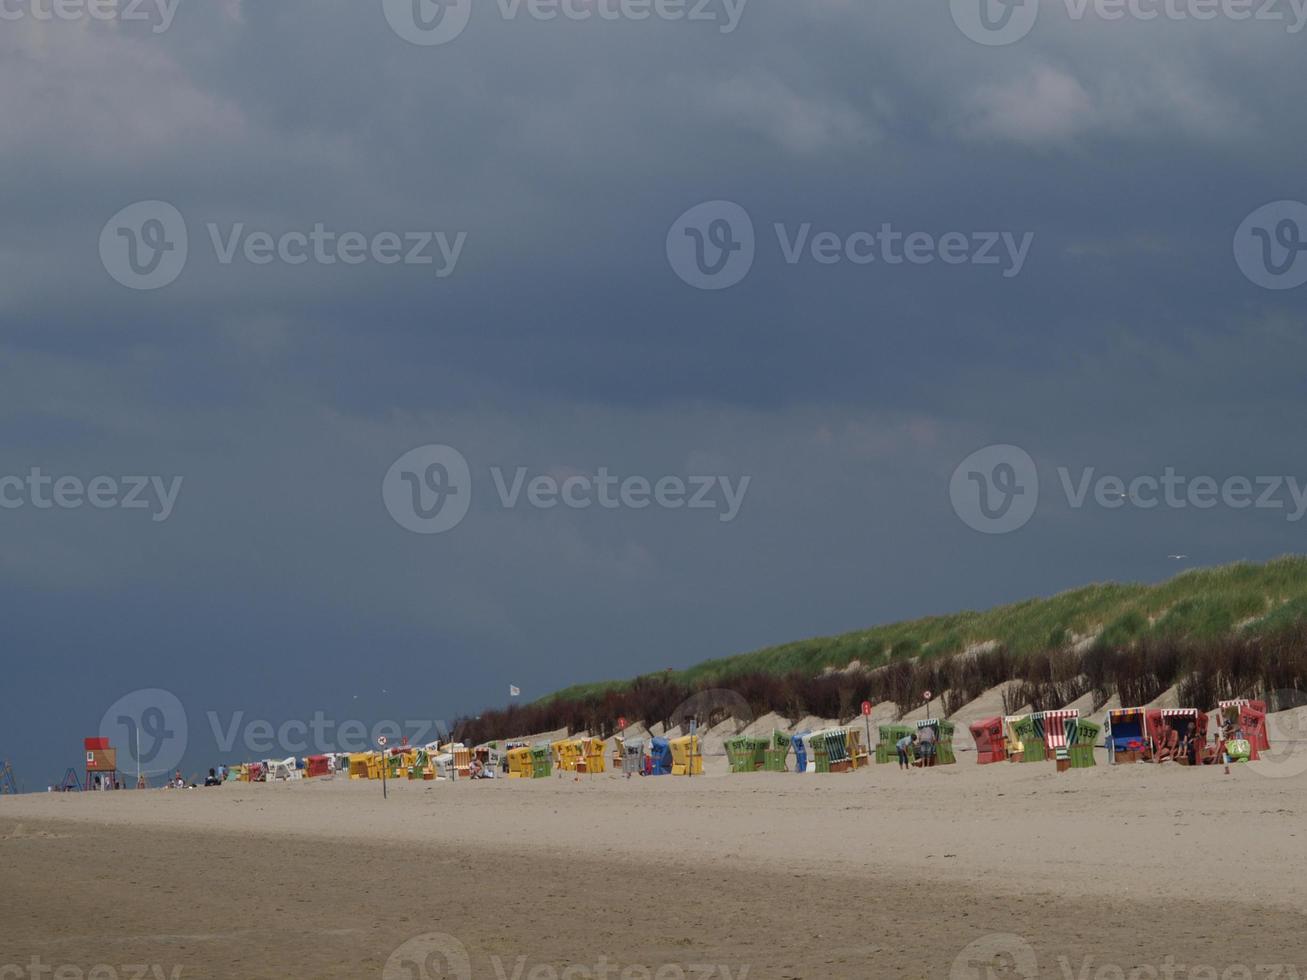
<point x="927" y="736"/>
<point x="1190" y="744"/>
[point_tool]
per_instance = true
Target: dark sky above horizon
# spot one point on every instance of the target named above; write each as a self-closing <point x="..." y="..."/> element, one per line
<point x="1084" y="245"/>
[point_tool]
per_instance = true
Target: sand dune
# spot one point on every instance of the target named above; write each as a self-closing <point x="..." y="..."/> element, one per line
<point x="987" y="705"/>
<point x="1170" y="698"/>
<point x="768" y="723"/>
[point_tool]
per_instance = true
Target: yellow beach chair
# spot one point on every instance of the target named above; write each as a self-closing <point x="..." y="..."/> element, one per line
<point x="591" y="759"/>
<point x="519" y="762"/>
<point x="1015" y="750"/>
<point x="857" y="751"/>
<point x="687" y="759"/>
<point x="567" y="754"/>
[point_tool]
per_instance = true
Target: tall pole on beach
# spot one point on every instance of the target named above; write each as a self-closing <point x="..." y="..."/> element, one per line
<point x="866" y="717"/>
<point x="694" y="737"/>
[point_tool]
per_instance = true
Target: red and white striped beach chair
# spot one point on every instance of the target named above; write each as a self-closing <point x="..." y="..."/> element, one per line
<point x="1056" y="730"/>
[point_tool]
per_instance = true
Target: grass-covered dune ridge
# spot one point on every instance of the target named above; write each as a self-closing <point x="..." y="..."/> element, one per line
<point x="1216" y="631"/>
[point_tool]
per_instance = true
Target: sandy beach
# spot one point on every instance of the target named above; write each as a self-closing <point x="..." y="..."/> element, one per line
<point x="960" y="871"/>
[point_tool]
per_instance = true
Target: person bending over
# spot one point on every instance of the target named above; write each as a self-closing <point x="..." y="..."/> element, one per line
<point x="905" y="748"/>
<point x="1168" y="745"/>
<point x="926" y="746"/>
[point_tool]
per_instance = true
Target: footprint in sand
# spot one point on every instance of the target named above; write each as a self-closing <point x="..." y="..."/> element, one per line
<point x="20" y="832"/>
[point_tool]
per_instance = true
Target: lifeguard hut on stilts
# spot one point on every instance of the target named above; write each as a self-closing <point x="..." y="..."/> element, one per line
<point x="101" y="762"/>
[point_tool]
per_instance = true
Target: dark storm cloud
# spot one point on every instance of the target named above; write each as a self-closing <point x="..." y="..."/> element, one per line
<point x="564" y="341"/>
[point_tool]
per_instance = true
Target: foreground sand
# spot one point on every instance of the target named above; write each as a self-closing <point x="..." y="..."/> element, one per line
<point x="963" y="871"/>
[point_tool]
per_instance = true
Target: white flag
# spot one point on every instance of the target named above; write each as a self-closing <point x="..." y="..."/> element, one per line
<point x="513" y="691"/>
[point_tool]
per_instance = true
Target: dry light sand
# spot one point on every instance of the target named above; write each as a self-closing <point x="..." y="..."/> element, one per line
<point x="961" y="871"/>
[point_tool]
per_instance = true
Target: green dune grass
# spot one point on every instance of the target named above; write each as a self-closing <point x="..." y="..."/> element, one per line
<point x="1200" y="607"/>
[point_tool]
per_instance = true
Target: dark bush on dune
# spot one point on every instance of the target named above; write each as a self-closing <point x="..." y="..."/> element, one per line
<point x="1204" y="673"/>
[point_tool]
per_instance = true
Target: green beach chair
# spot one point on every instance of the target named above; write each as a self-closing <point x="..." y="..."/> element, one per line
<point x="541" y="764"/>
<point x="778" y="752"/>
<point x="1032" y="740"/>
<point x="1083" y="739"/>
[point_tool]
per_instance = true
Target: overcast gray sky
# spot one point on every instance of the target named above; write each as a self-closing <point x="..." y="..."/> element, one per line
<point x="1088" y="206"/>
